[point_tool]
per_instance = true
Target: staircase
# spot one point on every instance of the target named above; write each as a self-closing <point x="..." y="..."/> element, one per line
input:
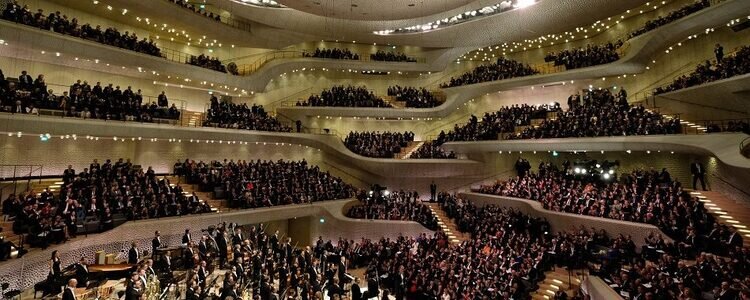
<point x="447" y="225"/>
<point x="554" y="281"/>
<point x="191" y="119"/>
<point x="409" y="149"/>
<point x="187" y="189"/>
<point x="726" y="211"/>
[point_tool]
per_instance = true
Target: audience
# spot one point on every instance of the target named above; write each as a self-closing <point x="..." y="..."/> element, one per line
<point x="414" y="97"/>
<point x="502" y="69"/>
<point x="197" y="9"/>
<point x="348" y="96"/>
<point x="334" y="53"/>
<point x="207" y="62"/>
<point x="582" y="58"/>
<point x="250" y="184"/>
<point x="730" y="126"/>
<point x="401" y="205"/>
<point x="726" y="67"/>
<point x="377" y="144"/>
<point x="601" y="114"/>
<point x="432" y="150"/>
<point x="97" y="194"/>
<point x="84" y="101"/>
<point x="671" y="17"/>
<point x="60" y="23"/>
<point x="240" y="116"/>
<point x="390" y="56"/>
<point x="501" y="122"/>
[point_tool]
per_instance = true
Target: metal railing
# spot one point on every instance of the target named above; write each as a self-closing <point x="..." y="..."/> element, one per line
<point x="688" y="72"/>
<point x="225" y="20"/>
<point x="12" y="174"/>
<point x="247" y="69"/>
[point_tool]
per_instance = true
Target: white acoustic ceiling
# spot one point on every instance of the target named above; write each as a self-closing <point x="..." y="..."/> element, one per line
<point x="374" y="9"/>
<point x="546" y="16"/>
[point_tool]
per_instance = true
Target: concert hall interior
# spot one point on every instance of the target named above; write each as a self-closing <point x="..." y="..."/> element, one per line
<point x="388" y="150"/>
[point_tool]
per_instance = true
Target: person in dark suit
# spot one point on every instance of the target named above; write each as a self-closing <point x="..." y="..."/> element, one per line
<point x="68" y="293"/>
<point x="719" y="52"/>
<point x="188" y="257"/>
<point x="82" y="273"/>
<point x="186" y="238"/>
<point x="726" y="292"/>
<point x="134" y="290"/>
<point x="735" y="238"/>
<point x="192" y="292"/>
<point x="162" y="100"/>
<point x="221" y="243"/>
<point x="433" y="191"/>
<point x="356" y="291"/>
<point x="156" y="242"/>
<point x="699" y="173"/>
<point x="25" y="82"/>
<point x="133" y="255"/>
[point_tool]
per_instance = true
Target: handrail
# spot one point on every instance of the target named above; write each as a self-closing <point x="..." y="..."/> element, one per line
<point x="28" y="176"/>
<point x="182" y="106"/>
<point x="497" y="174"/>
<point x="226" y="20"/>
<point x="290" y="97"/>
<point x="713" y="62"/>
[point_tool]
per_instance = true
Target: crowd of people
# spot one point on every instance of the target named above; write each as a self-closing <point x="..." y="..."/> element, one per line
<point x="396" y="205"/>
<point x="502" y="69"/>
<point x="376" y="144"/>
<point x="722" y="68"/>
<point x="239" y="116"/>
<point x="730" y="126"/>
<point x="205" y="61"/>
<point x="601" y="113"/>
<point x="250" y="184"/>
<point x="97" y="194"/>
<point x="432" y="150"/>
<point x="197" y="9"/>
<point x="585" y="57"/>
<point x="414" y="97"/>
<point x="27" y="96"/>
<point x="345" y="96"/>
<point x="495" y="124"/>
<point x="381" y="55"/>
<point x="671" y="17"/>
<point x="60" y="23"/>
<point x="334" y="53"/>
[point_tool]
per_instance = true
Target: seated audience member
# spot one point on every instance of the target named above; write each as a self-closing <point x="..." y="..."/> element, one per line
<point x="250" y="184"/>
<point x="207" y="62"/>
<point x="199" y="9"/>
<point x="334" y="53"/>
<point x="414" y="97"/>
<point x="61" y="24"/>
<point x="431" y="150"/>
<point x="730" y="66"/>
<point x="376" y="144"/>
<point x="348" y="96"/>
<point x="240" y="116"/>
<point x="496" y="124"/>
<point x="502" y="69"/>
<point x="401" y="205"/>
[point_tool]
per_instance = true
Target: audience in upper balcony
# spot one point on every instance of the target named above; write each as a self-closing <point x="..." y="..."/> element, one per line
<point x="432" y="150"/>
<point x="397" y="205"/>
<point x="730" y="126"/>
<point x="84" y="101"/>
<point x="671" y="17"/>
<point x="502" y="69"/>
<point x="414" y="97"/>
<point x="240" y="116"/>
<point x="334" y="53"/>
<point x="207" y="62"/>
<point x="601" y="114"/>
<point x="585" y="57"/>
<point x="345" y="96"/>
<point x="381" y="55"/>
<point x="250" y="184"/>
<point x="724" y="67"/>
<point x="60" y="23"/>
<point x="502" y="121"/>
<point x="197" y="9"/>
<point x="378" y="145"/>
<point x="96" y="195"/>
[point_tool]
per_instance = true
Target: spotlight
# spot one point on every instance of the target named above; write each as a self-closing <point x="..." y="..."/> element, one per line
<point x="577" y="170"/>
<point x="606" y="176"/>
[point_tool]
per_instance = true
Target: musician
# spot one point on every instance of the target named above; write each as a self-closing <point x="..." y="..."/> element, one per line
<point x="193" y="291"/>
<point x="221" y="243"/>
<point x="202" y="273"/>
<point x="133" y="255"/>
<point x="82" y="273"/>
<point x="166" y="261"/>
<point x="156" y="242"/>
<point x="134" y="290"/>
<point x="149" y="266"/>
<point x="238" y="238"/>
<point x="69" y="293"/>
<point x="239" y="269"/>
<point x="203" y="248"/>
<point x="55" y="274"/>
<point x="186" y="238"/>
<point x="189" y="256"/>
<point x="356" y="291"/>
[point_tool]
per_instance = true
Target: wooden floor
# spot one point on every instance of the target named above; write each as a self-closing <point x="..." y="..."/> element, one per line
<point x="727" y="211"/>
